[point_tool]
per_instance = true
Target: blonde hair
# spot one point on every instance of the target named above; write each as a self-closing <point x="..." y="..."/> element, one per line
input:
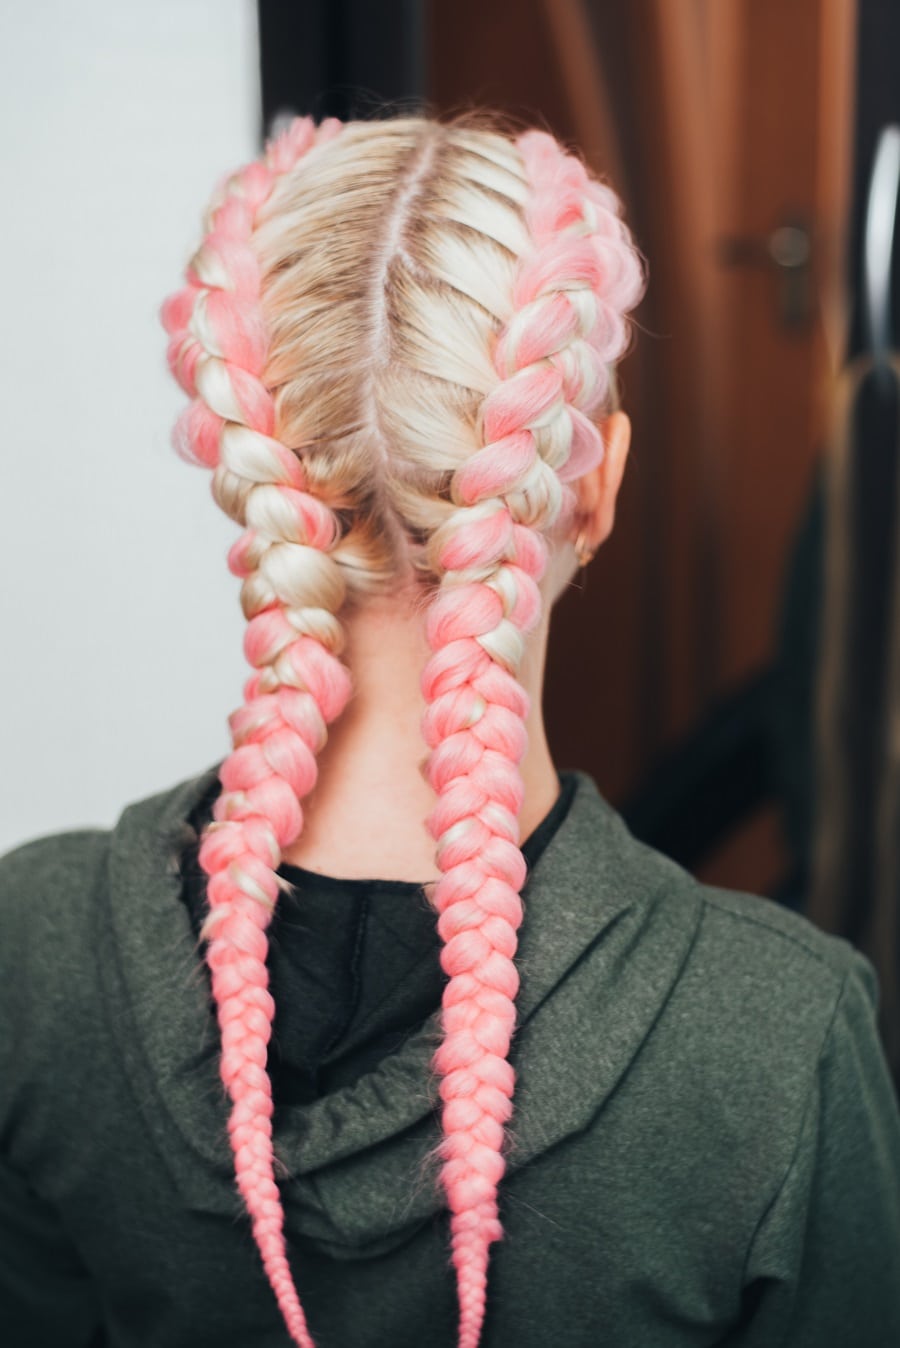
<point x="397" y="336"/>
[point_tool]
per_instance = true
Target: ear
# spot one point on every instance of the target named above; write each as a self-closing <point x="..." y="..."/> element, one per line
<point x="599" y="488"/>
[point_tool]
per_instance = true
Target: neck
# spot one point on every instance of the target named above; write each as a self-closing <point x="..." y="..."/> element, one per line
<point x="365" y="817"/>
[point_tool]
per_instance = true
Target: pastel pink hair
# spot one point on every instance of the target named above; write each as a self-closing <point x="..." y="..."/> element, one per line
<point x="553" y="361"/>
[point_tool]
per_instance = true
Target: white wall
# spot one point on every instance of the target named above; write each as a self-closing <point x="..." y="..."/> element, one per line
<point x="120" y="626"/>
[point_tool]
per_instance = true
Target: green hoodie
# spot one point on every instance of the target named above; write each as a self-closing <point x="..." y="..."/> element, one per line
<point x="705" y="1144"/>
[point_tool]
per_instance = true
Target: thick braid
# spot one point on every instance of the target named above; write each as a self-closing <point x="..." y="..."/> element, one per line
<point x="551" y="360"/>
<point x="291" y="590"/>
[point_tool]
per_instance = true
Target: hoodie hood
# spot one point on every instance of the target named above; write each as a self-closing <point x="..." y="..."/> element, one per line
<point x="608" y="926"/>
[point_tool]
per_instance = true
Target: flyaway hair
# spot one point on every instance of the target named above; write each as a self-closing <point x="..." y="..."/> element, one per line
<point x="398" y="338"/>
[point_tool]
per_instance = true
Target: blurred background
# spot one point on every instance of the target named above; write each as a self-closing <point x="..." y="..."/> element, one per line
<point x="736" y="643"/>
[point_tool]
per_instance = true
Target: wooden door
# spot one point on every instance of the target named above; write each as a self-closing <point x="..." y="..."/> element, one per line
<point x="726" y="128"/>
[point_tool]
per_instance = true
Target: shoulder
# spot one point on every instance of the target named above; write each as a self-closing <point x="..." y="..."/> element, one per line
<point x="65" y="899"/>
<point x="771" y="1024"/>
<point x="801" y="1091"/>
<point x="50" y="886"/>
<point x="755" y="989"/>
<point x="43" y="883"/>
<point x="763" y="996"/>
<point x="736" y="966"/>
<point x="749" y="944"/>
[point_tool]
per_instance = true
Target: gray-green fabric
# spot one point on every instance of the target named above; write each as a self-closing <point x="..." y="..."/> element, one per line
<point x="705" y="1145"/>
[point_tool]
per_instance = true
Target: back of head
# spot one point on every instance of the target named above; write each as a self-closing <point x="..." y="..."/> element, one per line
<point x="399" y="337"/>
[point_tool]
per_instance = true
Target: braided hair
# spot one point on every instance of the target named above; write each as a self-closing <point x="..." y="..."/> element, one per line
<point x="396" y="337"/>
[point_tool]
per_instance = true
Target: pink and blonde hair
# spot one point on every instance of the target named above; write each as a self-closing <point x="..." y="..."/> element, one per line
<point x="398" y="338"/>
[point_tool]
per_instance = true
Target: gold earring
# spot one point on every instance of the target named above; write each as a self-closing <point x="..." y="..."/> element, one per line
<point x="583" y="553"/>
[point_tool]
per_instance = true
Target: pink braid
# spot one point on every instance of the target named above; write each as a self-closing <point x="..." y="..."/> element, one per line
<point x="218" y="350"/>
<point x="552" y="362"/>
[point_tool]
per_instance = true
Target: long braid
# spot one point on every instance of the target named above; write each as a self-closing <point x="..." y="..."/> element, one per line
<point x="290" y="591"/>
<point x="551" y="360"/>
